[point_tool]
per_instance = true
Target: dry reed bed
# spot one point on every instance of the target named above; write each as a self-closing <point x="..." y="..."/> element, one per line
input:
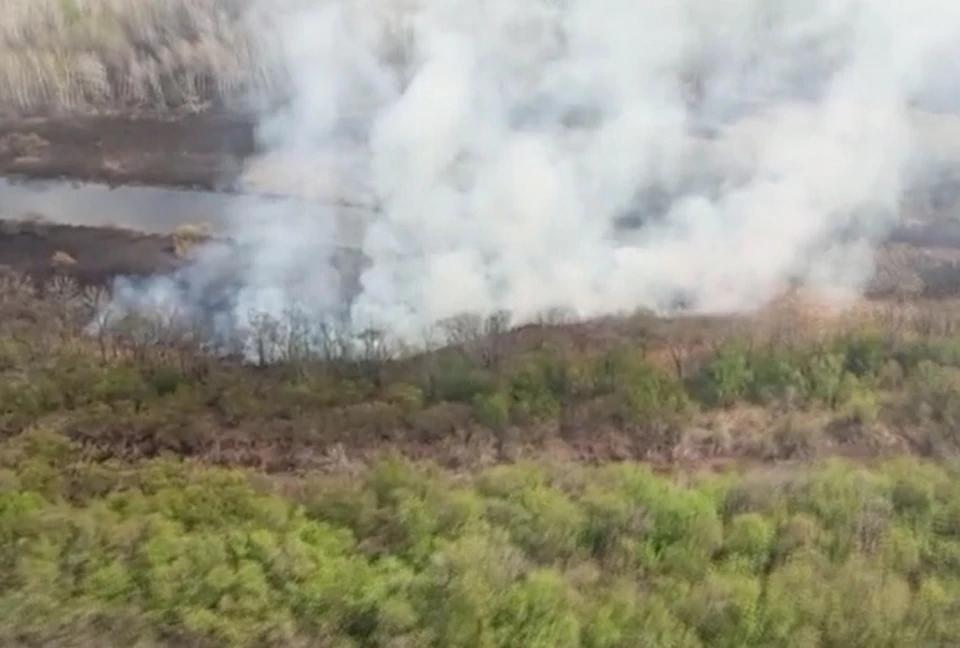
<point x="79" y="56"/>
<point x="82" y="55"/>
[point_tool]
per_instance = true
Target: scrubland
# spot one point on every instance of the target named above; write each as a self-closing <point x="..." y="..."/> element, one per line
<point x="782" y="479"/>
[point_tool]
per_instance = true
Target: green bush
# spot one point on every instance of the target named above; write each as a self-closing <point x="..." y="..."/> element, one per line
<point x="934" y="393"/>
<point x="493" y="410"/>
<point x="775" y="375"/>
<point x="944" y="351"/>
<point x="455" y="379"/>
<point x="727" y="377"/>
<point x="824" y="373"/>
<point x="165" y="552"/>
<point x="864" y="355"/>
<point x="816" y="376"/>
<point x="647" y="394"/>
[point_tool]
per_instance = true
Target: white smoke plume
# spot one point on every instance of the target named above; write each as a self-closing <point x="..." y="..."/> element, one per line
<point x="505" y="145"/>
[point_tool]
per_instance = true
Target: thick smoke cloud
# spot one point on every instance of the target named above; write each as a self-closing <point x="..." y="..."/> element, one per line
<point x="598" y="155"/>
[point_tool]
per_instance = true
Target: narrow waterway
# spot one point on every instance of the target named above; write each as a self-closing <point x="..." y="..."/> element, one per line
<point x="148" y="209"/>
<point x="932" y="189"/>
<point x="162" y="210"/>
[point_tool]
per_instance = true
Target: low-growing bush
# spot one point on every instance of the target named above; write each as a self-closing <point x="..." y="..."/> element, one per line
<point x="164" y="553"/>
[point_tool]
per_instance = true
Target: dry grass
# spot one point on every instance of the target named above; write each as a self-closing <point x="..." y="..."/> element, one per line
<point x="77" y="55"/>
<point x="188" y="236"/>
<point x="61" y="259"/>
<point x="22" y="144"/>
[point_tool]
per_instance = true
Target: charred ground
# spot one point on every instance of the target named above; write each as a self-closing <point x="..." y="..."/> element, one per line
<point x="92" y="256"/>
<point x="919" y="261"/>
<point x="203" y="150"/>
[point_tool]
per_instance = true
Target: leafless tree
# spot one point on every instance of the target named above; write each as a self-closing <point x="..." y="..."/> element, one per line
<point x="65" y="300"/>
<point x="495" y="331"/>
<point x="99" y="317"/>
<point x="266" y="337"/>
<point x="331" y="343"/>
<point x="481" y="338"/>
<point x="373" y="353"/>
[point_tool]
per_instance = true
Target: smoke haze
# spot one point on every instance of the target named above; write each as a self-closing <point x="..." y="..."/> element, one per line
<point x="597" y="155"/>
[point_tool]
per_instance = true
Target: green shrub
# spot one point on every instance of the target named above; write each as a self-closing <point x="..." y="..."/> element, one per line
<point x="120" y="384"/>
<point x="647" y="395"/>
<point x="934" y="393"/>
<point x="859" y="404"/>
<point x="865" y="355"/>
<point x="493" y="409"/>
<point x="727" y="377"/>
<point x="539" y="386"/>
<point x="944" y="352"/>
<point x="455" y="379"/>
<point x="749" y="536"/>
<point x="409" y="398"/>
<point x="775" y="375"/>
<point x="824" y="373"/>
<point x="164" y="381"/>
<point x="524" y="555"/>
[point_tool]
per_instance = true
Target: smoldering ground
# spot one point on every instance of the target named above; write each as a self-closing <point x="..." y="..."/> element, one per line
<point x="593" y="155"/>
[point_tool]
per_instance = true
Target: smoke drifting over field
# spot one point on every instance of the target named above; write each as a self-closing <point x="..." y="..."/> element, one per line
<point x="599" y="155"/>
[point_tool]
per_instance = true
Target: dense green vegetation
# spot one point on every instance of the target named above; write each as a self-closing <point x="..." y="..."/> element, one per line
<point x="155" y="495"/>
<point x="524" y="555"/>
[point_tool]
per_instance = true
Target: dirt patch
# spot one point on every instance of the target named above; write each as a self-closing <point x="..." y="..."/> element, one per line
<point x="203" y="151"/>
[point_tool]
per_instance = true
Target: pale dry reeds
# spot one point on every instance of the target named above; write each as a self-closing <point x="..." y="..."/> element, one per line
<point x="96" y="55"/>
<point x="188" y="236"/>
<point x="76" y="56"/>
<point x="61" y="259"/>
